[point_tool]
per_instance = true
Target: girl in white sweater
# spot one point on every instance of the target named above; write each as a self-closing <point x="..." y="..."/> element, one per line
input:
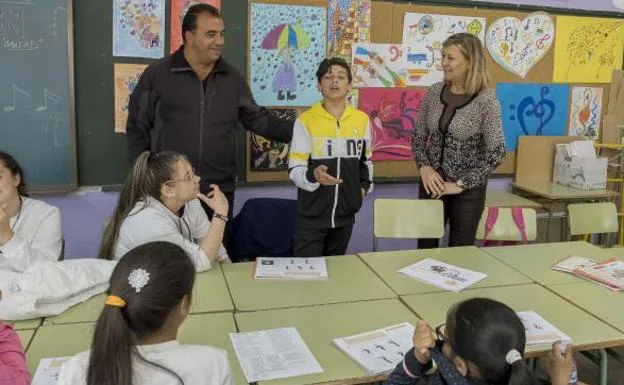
<point x="135" y="337"/>
<point x="30" y="230"/>
<point x="159" y="202"/>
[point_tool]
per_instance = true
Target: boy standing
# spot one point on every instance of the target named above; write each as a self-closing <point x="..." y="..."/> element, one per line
<point x="330" y="164"/>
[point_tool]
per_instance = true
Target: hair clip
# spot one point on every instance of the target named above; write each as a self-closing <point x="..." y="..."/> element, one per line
<point x="138" y="279"/>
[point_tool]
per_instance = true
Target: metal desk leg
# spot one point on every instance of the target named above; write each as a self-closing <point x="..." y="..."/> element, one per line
<point x="604" y="366"/>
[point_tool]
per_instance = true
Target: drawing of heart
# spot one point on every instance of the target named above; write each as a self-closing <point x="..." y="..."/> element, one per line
<point x="542" y="113"/>
<point x="519" y="45"/>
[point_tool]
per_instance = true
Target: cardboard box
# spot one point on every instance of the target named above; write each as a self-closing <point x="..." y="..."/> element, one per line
<point x="581" y="172"/>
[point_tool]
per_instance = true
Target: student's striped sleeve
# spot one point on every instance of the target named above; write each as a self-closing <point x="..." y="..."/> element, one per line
<point x="298" y="162"/>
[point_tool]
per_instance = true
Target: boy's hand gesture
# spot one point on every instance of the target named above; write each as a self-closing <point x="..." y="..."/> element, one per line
<point x="321" y="176"/>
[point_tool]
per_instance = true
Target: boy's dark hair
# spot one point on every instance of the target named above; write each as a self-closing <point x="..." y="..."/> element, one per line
<point x="171" y="277"/>
<point x="15" y="169"/>
<point x="483" y="331"/>
<point x="189" y="23"/>
<point x="326" y="65"/>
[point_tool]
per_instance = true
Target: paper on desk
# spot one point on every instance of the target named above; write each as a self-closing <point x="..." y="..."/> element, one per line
<point x="539" y="331"/>
<point x="290" y="268"/>
<point x="442" y="275"/>
<point x="273" y="354"/>
<point x="380" y="350"/>
<point x="573" y="262"/>
<point x="48" y="370"/>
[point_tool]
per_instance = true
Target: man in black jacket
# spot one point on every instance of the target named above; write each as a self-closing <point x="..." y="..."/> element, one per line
<point x="192" y="101"/>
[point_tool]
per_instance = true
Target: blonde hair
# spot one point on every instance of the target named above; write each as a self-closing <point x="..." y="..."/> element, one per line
<point x="471" y="47"/>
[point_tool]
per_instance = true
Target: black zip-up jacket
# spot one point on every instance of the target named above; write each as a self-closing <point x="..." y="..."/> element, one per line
<point x="170" y="110"/>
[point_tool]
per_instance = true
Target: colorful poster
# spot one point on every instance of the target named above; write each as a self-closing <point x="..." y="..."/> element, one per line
<point x="270" y="155"/>
<point x="349" y="22"/>
<point x="586" y="5"/>
<point x="379" y="65"/>
<point x="532" y="109"/>
<point x="393" y="114"/>
<point x="287" y="45"/>
<point x="178" y="11"/>
<point x="424" y="35"/>
<point x="126" y="78"/>
<point x="588" y="49"/>
<point x="585" y="112"/>
<point x="139" y="28"/>
<point x="518" y="45"/>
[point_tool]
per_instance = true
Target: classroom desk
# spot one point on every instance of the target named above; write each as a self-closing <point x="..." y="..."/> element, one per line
<point x="319" y="325"/>
<point x="386" y="264"/>
<point x="497" y="198"/>
<point x="210" y="295"/>
<point x="587" y="331"/>
<point x="594" y="299"/>
<point x="69" y="339"/>
<point x="536" y="260"/>
<point x="29" y="324"/>
<point x="350" y="280"/>
<point x="616" y="251"/>
<point x="553" y="193"/>
<point x="25" y="337"/>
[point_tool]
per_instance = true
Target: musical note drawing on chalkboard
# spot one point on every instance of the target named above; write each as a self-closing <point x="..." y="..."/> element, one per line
<point x="58" y="12"/>
<point x="15" y="90"/>
<point x="532" y="109"/>
<point x="48" y="95"/>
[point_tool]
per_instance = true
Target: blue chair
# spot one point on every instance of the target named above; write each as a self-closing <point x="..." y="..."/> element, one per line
<point x="264" y="227"/>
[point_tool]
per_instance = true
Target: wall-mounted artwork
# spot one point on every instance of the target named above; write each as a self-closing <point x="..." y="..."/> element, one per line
<point x="270" y="155"/>
<point x="393" y="114"/>
<point x="518" y="45"/>
<point x="588" y="49"/>
<point x="586" y="5"/>
<point x="139" y="28"/>
<point x="532" y="109"/>
<point x="349" y="22"/>
<point x="379" y="65"/>
<point x="424" y="35"/>
<point x="126" y="78"/>
<point x="585" y="112"/>
<point x="178" y="11"/>
<point x="287" y="44"/>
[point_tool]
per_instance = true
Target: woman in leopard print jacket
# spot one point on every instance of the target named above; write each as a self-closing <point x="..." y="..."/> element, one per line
<point x="458" y="141"/>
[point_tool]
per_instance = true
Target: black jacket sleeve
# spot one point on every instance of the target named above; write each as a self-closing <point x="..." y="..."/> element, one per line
<point x="141" y="112"/>
<point x="408" y="371"/>
<point x="260" y="120"/>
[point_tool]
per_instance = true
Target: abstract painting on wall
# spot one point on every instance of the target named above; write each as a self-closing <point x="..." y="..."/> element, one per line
<point x="126" y="78"/>
<point x="424" y="35"/>
<point x="349" y="22"/>
<point x="379" y="65"/>
<point x="585" y="112"/>
<point x="287" y="44"/>
<point x="270" y="155"/>
<point x="139" y="28"/>
<point x="393" y="114"/>
<point x="518" y="45"/>
<point x="178" y="11"/>
<point x="532" y="109"/>
<point x="588" y="49"/>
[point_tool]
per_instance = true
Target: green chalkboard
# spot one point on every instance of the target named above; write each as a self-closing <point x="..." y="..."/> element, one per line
<point x="36" y="91"/>
<point x="102" y="156"/>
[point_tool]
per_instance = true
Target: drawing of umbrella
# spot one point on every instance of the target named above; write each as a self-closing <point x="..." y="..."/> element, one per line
<point x="286" y="38"/>
<point x="286" y="35"/>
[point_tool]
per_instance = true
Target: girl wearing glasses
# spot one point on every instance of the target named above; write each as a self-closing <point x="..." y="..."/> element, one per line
<point x="482" y="343"/>
<point x="160" y="202"/>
